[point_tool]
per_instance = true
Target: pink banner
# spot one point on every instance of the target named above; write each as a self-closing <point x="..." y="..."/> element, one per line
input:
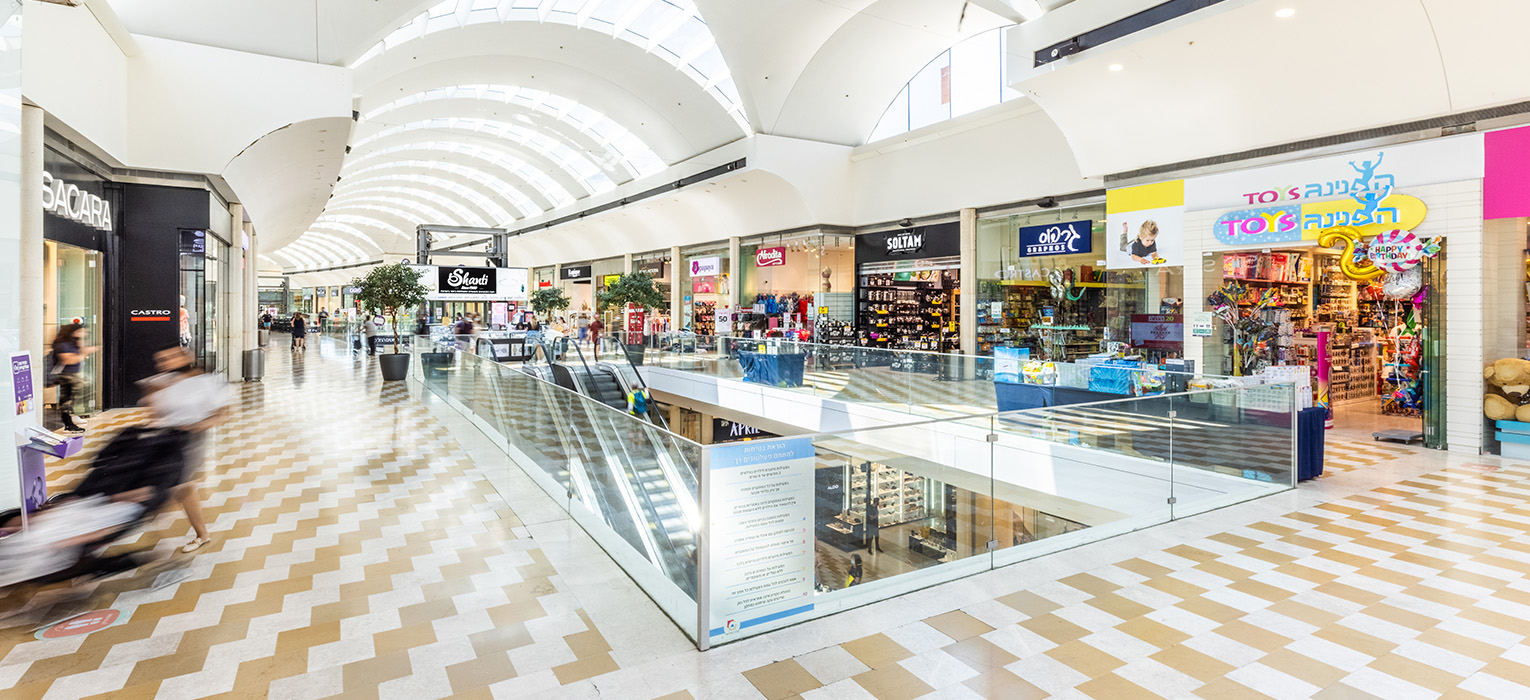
<point x="1506" y="178"/>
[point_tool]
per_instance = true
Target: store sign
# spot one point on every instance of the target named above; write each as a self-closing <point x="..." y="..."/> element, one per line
<point x="151" y="314"/>
<point x="66" y="200"/>
<point x="1296" y="222"/>
<point x="706" y="267"/>
<point x="904" y="243"/>
<point x="473" y="283"/>
<point x="322" y="291"/>
<point x="653" y="268"/>
<point x="1157" y="331"/>
<point x="761" y="543"/>
<point x="770" y="257"/>
<point x="724" y="430"/>
<point x="576" y="272"/>
<point x="609" y="281"/>
<point x="1056" y="239"/>
<point x="353" y="290"/>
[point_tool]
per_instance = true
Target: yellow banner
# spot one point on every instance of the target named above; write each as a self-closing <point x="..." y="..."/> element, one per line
<point x="1155" y="196"/>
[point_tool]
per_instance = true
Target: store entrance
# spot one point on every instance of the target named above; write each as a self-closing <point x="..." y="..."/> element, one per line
<point x="1363" y="341"/>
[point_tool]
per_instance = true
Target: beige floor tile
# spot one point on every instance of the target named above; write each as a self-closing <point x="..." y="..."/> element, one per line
<point x="893" y="683"/>
<point x="981" y="654"/>
<point x="1228" y="689"/>
<point x="1113" y="687"/>
<point x="1193" y="663"/>
<point x="782" y="679"/>
<point x="1085" y="658"/>
<point x="1029" y="603"/>
<point x="1303" y="667"/>
<point x="877" y="651"/>
<point x="1055" y="629"/>
<point x="958" y="625"/>
<point x="1000" y="683"/>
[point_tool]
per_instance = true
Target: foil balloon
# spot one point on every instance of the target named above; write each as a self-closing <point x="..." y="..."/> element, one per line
<point x="1404" y="284"/>
<point x="1058" y="285"/>
<point x="1396" y="250"/>
<point x="1349" y="236"/>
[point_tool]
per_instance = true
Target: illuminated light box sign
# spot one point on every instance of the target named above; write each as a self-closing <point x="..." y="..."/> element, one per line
<point x="473" y="283"/>
<point x="706" y="267"/>
<point x="770" y="257"/>
<point x="1296" y="222"/>
<point x="1056" y="239"/>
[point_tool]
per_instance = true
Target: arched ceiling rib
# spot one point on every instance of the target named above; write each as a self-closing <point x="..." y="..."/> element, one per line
<point x="572" y="162"/>
<point x="493" y="183"/>
<point x="468" y="202"/>
<point x="550" y="190"/>
<point x="672" y="30"/>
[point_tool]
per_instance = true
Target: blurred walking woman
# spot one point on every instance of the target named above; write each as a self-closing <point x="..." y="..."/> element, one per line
<point x="69" y="352"/>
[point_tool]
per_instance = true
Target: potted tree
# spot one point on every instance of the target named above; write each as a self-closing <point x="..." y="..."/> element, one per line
<point x="392" y="288"/>
<point x="632" y="290"/>
<point x="546" y="300"/>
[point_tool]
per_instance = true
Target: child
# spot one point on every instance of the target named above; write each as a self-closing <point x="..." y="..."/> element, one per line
<point x="1145" y="248"/>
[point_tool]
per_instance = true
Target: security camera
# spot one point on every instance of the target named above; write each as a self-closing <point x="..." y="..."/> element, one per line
<point x="905" y="223"/>
<point x="1047" y="203"/>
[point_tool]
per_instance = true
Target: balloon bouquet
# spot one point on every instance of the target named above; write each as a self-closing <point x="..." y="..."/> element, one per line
<point x="1252" y="332"/>
<point x="1394" y="256"/>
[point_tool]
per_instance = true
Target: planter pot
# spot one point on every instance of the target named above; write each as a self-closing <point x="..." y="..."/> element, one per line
<point x="435" y="363"/>
<point x="395" y="366"/>
<point x="635" y="354"/>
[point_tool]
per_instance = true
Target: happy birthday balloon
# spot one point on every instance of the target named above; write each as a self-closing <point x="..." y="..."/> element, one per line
<point x="1396" y="250"/>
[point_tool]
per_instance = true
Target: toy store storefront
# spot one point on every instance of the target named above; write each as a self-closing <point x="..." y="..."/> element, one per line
<point x="1059" y="285"/>
<point x="1337" y="265"/>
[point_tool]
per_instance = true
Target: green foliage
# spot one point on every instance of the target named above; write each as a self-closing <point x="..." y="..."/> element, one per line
<point x="636" y="288"/>
<point x="392" y="288"/>
<point x="548" y="299"/>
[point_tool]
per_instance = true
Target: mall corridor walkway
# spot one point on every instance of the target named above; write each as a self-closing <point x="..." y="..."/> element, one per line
<point x="368" y="543"/>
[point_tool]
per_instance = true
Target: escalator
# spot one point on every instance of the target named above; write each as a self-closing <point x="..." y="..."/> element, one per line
<point x="639" y="478"/>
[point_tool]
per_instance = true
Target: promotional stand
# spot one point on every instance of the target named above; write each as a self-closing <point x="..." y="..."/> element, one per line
<point x="33" y="443"/>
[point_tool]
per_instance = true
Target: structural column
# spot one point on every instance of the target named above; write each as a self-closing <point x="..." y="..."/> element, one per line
<point x="733" y="291"/>
<point x="627" y="264"/>
<point x="31" y="267"/>
<point x="251" y="339"/>
<point x="233" y="294"/>
<point x="966" y="313"/>
<point x="676" y="291"/>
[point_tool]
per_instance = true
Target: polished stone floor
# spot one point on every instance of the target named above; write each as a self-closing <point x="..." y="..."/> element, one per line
<point x="369" y="542"/>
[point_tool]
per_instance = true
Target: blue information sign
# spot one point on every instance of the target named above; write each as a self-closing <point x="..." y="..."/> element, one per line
<point x="1064" y="238"/>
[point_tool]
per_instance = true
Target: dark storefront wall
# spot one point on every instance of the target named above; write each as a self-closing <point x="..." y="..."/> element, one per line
<point x="152" y="218"/>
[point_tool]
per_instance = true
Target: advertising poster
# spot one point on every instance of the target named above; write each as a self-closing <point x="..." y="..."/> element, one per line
<point x="762" y="533"/>
<point x="1145" y="226"/>
<point x="21" y="379"/>
<point x="1158" y="331"/>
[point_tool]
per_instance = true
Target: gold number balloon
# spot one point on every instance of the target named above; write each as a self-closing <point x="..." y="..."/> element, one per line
<point x="1350" y="236"/>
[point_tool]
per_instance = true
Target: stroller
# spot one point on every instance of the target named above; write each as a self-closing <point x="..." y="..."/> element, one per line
<point x="129" y="480"/>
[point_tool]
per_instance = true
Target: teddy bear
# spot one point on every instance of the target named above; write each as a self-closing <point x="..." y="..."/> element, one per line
<point x="1508" y="382"/>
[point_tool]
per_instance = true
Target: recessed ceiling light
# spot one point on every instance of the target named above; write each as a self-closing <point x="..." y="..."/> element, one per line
<point x="1116" y="67"/>
<point x="1284" y="13"/>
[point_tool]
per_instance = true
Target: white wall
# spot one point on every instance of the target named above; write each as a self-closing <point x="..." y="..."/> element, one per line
<point x="999" y="155"/>
<point x="72" y="68"/>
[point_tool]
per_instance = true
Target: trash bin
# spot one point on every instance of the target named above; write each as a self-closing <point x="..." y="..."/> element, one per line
<point x="254" y="364"/>
<point x="264" y="336"/>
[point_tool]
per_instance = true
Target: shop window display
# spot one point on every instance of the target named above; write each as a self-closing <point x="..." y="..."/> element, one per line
<point x="1045" y="289"/>
<point x="909" y="290"/>
<point x="793" y="285"/>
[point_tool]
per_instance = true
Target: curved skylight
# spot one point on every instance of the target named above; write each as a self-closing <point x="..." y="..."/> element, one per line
<point x="319" y="253"/>
<point x="965" y="78"/>
<point x="293" y="260"/>
<point x="418" y="213"/>
<point x="358" y="220"/>
<point x="356" y="252"/>
<point x="484" y="204"/>
<point x="582" y="169"/>
<point x="670" y="29"/>
<point x="330" y="224"/>
<point x="462" y="214"/>
<point x="474" y="175"/>
<point x="548" y="187"/>
<point x="624" y="147"/>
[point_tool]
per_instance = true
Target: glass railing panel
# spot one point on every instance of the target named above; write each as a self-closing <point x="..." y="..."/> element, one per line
<point x="807" y="526"/>
<point x="629" y="484"/>
<point x="1233" y="445"/>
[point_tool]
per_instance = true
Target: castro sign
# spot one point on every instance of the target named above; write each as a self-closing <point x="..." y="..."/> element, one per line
<point x="66" y="200"/>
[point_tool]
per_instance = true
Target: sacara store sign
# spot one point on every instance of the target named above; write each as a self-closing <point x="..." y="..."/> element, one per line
<point x="770" y="257"/>
<point x="66" y="200"/>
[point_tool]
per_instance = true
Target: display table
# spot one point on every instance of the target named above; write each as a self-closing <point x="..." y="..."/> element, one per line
<point x="784" y="369"/>
<point x="1017" y="397"/>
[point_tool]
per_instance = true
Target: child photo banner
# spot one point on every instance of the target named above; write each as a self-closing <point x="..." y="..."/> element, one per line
<point x="1145" y="226"/>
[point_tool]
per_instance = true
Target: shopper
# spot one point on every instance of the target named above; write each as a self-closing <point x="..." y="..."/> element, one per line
<point x="369" y="330"/>
<point x="265" y="320"/>
<point x="857" y="572"/>
<point x="582" y="322"/>
<point x="874" y="525"/>
<point x="637" y="403"/>
<point x="299" y="332"/>
<point x="68" y="353"/>
<point x="184" y="398"/>
<point x="595" y="328"/>
<point x="323" y="319"/>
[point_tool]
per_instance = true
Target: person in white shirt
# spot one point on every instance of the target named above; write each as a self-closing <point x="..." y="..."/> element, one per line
<point x="183" y="397"/>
